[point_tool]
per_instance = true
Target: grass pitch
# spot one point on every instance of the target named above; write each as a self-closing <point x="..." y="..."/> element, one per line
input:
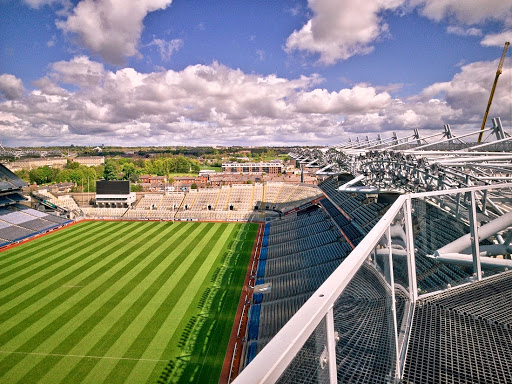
<point x="122" y="302"/>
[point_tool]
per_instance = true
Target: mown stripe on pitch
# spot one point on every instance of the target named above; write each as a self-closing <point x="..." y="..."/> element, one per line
<point x="108" y="264"/>
<point x="222" y="241"/>
<point x="141" y="342"/>
<point x="70" y="313"/>
<point x="105" y="264"/>
<point x="127" y="338"/>
<point x="165" y="341"/>
<point x="105" y="345"/>
<point x="49" y="258"/>
<point x="40" y="242"/>
<point x="41" y="283"/>
<point x="112" y="302"/>
<point x="211" y="362"/>
<point x="12" y="255"/>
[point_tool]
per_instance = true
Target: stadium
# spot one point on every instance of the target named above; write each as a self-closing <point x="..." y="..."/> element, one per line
<point x="394" y="269"/>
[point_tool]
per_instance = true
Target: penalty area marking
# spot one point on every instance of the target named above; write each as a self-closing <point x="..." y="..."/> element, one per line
<point x="81" y="356"/>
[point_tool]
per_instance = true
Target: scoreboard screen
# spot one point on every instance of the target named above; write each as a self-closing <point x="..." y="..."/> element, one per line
<point x="116" y="187"/>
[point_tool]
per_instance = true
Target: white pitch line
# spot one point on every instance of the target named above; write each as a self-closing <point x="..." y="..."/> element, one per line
<point x="81" y="356"/>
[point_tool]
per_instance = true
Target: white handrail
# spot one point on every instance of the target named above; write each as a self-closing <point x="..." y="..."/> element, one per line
<point x="273" y="360"/>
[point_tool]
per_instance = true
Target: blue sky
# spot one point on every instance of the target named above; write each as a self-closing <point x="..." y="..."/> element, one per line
<point x="199" y="72"/>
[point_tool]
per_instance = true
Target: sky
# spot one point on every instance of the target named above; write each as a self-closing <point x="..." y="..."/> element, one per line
<point x="247" y="72"/>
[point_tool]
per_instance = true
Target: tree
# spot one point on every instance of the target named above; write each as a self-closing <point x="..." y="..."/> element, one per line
<point x="193" y="186"/>
<point x="128" y="170"/>
<point x="136" y="188"/>
<point x="23" y="174"/>
<point x="43" y="175"/>
<point x="72" y="165"/>
<point x="110" y="172"/>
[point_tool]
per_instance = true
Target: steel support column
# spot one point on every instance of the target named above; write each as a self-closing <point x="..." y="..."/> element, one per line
<point x="475" y="241"/>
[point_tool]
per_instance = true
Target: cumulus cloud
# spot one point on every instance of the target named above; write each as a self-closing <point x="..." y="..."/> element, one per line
<point x="11" y="87"/>
<point x="460" y="31"/>
<point x="39" y="3"/>
<point x="359" y="99"/>
<point x="466" y="12"/>
<point x="80" y="71"/>
<point x="167" y="48"/>
<point x="110" y="28"/>
<point x="339" y="30"/>
<point x="469" y="90"/>
<point x="497" y="39"/>
<point x="79" y="101"/>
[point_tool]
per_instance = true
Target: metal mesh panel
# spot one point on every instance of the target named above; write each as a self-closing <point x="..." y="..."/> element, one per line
<point x="457" y="336"/>
<point x="363" y="318"/>
<point x="310" y="365"/>
<point x="436" y="224"/>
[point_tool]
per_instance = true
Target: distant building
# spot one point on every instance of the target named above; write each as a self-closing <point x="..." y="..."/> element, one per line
<point x="266" y="167"/>
<point x="89" y="161"/>
<point x="31" y="163"/>
<point x="150" y="179"/>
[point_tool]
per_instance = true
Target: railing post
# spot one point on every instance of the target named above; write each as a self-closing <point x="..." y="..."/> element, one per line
<point x="331" y="346"/>
<point x="411" y="258"/>
<point x="398" y="373"/>
<point x="475" y="241"/>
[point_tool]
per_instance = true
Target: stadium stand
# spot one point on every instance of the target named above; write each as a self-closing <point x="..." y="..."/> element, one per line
<point x="428" y="294"/>
<point x="298" y="252"/>
<point x="18" y="222"/>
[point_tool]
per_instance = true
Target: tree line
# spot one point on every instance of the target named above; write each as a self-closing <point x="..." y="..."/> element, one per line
<point x="114" y="169"/>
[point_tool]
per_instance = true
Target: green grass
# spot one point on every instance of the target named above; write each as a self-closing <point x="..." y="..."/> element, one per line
<point x="122" y="302"/>
<point x="211" y="168"/>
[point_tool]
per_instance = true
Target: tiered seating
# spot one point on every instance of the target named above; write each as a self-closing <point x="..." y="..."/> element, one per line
<point x="18" y="222"/>
<point x="350" y="229"/>
<point x="205" y="199"/>
<point x="241" y="197"/>
<point x="298" y="253"/>
<point x="149" y="201"/>
<point x="156" y="206"/>
<point x="287" y="193"/>
<point x="365" y="216"/>
<point x="105" y="212"/>
<point x="223" y="199"/>
<point x="271" y="192"/>
<point x="171" y="201"/>
<point x="363" y="321"/>
<point x="65" y="201"/>
<point x="257" y="196"/>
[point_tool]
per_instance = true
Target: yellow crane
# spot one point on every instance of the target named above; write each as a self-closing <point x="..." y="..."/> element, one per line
<point x="498" y="73"/>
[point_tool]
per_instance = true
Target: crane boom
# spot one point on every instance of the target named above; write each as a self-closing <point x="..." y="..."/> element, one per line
<point x="498" y="73"/>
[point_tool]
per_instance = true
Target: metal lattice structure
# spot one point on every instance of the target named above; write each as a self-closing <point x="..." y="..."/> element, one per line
<point x="425" y="294"/>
